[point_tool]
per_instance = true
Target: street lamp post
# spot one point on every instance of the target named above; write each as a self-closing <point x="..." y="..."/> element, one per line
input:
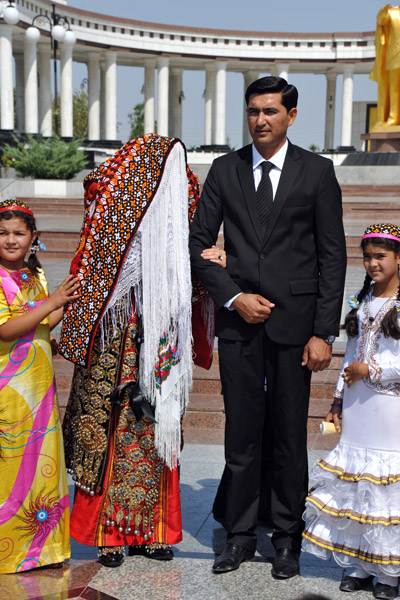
<point x="60" y="31"/>
<point x="9" y="13"/>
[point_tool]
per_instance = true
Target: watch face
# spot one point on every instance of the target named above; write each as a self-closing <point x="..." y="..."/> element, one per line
<point x="330" y="339"/>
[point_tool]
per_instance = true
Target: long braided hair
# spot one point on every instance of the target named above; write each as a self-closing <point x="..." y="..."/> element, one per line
<point x="389" y="325"/>
<point x="33" y="261"/>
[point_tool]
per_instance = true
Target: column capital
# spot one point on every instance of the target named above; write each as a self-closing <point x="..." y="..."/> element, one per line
<point x="348" y="69"/>
<point x="331" y="76"/>
<point x="110" y="57"/>
<point x="150" y="62"/>
<point x="210" y="67"/>
<point x="44" y="48"/>
<point x="66" y="50"/>
<point x="221" y="65"/>
<point x="162" y="61"/>
<point x="250" y="74"/>
<point x="282" y="69"/>
<point x="93" y="55"/>
<point x="6" y="30"/>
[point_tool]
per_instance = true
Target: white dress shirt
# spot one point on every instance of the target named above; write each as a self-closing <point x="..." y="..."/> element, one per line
<point x="275" y="174"/>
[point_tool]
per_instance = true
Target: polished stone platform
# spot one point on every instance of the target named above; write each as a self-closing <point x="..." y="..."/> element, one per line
<point x="189" y="575"/>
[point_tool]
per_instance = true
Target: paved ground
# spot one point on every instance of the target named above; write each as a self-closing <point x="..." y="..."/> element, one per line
<point x="189" y="575"/>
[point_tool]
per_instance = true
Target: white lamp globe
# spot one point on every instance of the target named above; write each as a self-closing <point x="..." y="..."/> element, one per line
<point x="11" y="15"/>
<point x="58" y="33"/>
<point x="70" y="38"/>
<point x="32" y="34"/>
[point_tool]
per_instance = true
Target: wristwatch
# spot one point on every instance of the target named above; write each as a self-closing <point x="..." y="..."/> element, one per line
<point x="329" y="339"/>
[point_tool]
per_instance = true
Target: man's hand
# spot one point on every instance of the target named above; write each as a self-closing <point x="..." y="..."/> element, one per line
<point x="253" y="308"/>
<point x="354" y="372"/>
<point x="317" y="354"/>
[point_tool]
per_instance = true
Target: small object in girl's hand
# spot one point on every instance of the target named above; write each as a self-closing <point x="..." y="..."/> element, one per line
<point x="327" y="428"/>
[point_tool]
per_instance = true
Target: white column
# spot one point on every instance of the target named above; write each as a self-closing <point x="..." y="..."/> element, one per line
<point x="149" y="102"/>
<point x="19" y="91"/>
<point x="163" y="95"/>
<point x="220" y="103"/>
<point x="248" y="77"/>
<point x="44" y="67"/>
<point x="102" y="100"/>
<point x="93" y="96"/>
<point x="209" y="101"/>
<point x="111" y="96"/>
<point x="66" y="101"/>
<point x="282" y="70"/>
<point x="6" y="78"/>
<point x="347" y="105"/>
<point x="31" y="86"/>
<point x="330" y="110"/>
<point x="175" y="103"/>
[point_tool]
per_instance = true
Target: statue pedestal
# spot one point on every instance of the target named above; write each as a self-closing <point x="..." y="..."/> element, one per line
<point x="383" y="141"/>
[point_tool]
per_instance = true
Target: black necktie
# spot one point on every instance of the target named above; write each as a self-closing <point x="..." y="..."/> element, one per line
<point x="265" y="195"/>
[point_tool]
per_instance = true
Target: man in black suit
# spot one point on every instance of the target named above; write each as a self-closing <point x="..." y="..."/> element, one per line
<point x="278" y="310"/>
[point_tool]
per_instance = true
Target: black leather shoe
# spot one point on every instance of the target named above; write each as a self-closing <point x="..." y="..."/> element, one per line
<point x="110" y="557"/>
<point x="231" y="558"/>
<point x="162" y="552"/>
<point x="354" y="584"/>
<point x="385" y="591"/>
<point x="285" y="564"/>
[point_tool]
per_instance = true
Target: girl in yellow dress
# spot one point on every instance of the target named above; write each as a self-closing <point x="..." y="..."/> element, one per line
<point x="34" y="506"/>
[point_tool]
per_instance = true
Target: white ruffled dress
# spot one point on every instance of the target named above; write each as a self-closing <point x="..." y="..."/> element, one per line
<point x="353" y="511"/>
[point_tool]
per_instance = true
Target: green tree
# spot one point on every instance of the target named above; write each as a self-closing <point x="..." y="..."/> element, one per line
<point x="80" y="111"/>
<point x="136" y="121"/>
<point x="80" y="114"/>
<point x="49" y="158"/>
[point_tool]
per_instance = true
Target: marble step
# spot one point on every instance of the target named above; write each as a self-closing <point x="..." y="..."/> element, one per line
<point x="206" y="409"/>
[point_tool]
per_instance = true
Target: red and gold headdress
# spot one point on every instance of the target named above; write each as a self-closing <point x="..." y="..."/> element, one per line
<point x="9" y="204"/>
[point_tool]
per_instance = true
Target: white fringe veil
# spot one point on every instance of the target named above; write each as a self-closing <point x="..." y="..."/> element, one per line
<point x="157" y="269"/>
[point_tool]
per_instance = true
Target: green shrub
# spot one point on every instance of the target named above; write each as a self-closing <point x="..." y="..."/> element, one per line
<point x="49" y="158"/>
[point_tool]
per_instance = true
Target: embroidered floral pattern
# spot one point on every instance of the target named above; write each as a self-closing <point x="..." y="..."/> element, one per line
<point x="135" y="479"/>
<point x="370" y="339"/>
<point x="40" y="516"/>
<point x="167" y="359"/>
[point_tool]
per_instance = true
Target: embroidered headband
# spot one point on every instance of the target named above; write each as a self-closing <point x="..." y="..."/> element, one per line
<point x="382" y="230"/>
<point x="15" y="205"/>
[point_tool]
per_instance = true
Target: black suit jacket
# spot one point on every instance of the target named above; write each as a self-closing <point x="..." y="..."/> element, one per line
<point x="300" y="262"/>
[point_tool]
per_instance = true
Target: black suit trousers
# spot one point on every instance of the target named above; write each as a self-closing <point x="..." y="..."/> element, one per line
<point x="265" y="439"/>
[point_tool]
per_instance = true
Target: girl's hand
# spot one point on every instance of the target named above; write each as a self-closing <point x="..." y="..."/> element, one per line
<point x="54" y="345"/>
<point x="66" y="292"/>
<point x="334" y="414"/>
<point x="354" y="372"/>
<point x="215" y="255"/>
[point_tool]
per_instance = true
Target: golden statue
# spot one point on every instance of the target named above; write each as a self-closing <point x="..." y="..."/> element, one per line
<point x="386" y="69"/>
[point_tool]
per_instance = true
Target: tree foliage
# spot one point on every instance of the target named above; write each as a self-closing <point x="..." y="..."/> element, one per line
<point x="136" y="121"/>
<point x="80" y="114"/>
<point x="48" y="158"/>
<point x="80" y="110"/>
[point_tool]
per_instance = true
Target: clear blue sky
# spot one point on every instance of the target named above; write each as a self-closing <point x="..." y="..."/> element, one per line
<point x="286" y="15"/>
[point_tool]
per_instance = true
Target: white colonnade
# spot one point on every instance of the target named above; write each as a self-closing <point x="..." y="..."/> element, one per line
<point x="164" y="52"/>
<point x="6" y="78"/>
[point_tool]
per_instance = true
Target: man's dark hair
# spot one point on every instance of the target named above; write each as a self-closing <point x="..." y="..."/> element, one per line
<point x="274" y="85"/>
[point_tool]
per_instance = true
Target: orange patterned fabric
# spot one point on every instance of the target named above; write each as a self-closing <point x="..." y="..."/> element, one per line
<point x="117" y="195"/>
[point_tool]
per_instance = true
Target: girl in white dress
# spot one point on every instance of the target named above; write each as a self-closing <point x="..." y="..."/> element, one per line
<point x="353" y="512"/>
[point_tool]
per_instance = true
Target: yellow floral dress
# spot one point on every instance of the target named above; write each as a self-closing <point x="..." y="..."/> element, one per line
<point x="34" y="505"/>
